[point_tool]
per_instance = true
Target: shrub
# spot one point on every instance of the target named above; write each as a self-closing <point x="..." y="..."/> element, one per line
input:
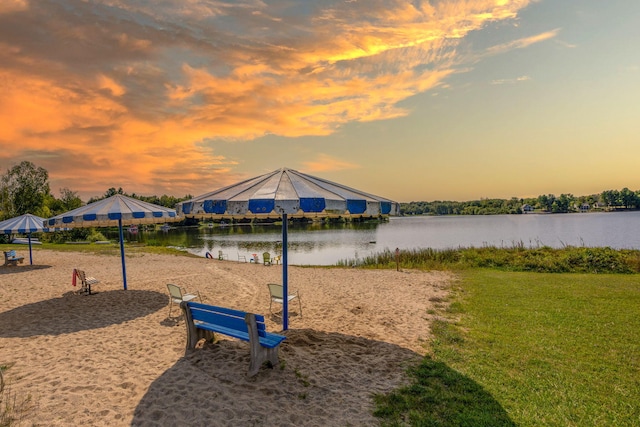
<point x="517" y="258"/>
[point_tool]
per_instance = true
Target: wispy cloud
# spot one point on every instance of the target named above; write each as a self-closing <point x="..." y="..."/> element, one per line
<point x="510" y="81"/>
<point x="523" y="42"/>
<point x="114" y="86"/>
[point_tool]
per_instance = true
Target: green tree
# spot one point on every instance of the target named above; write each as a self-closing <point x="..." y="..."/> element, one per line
<point x="628" y="198"/>
<point x="24" y="188"/>
<point x="546" y="202"/>
<point x="611" y="198"/>
<point x="68" y="200"/>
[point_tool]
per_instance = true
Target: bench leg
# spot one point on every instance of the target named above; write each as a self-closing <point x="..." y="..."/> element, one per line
<point x="194" y="334"/>
<point x="259" y="354"/>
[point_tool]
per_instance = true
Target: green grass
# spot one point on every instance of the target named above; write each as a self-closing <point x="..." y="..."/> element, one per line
<point x="100" y="249"/>
<point x="537" y="349"/>
<point x="570" y="259"/>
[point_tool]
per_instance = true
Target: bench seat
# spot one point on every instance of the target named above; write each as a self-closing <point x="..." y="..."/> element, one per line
<point x="203" y="320"/>
<point x="269" y="340"/>
<point x="11" y="258"/>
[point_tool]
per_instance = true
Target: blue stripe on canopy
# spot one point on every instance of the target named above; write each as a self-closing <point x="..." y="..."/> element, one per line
<point x="215" y="206"/>
<point x="356" y="206"/>
<point x="141" y="214"/>
<point x="114" y="215"/>
<point x="385" y="208"/>
<point x="312" y="204"/>
<point x="261" y="205"/>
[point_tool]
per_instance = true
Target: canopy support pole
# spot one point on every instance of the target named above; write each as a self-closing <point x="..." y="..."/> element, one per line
<point x="124" y="268"/>
<point x="30" y="256"/>
<point x="285" y="276"/>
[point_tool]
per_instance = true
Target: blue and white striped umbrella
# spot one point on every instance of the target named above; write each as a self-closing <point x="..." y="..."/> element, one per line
<point x="287" y="193"/>
<point x="24" y="224"/>
<point x="116" y="210"/>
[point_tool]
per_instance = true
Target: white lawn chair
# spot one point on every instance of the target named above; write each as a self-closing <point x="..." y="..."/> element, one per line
<point x="276" y="291"/>
<point x="177" y="295"/>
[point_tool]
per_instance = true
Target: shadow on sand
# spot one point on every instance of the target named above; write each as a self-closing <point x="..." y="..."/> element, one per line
<point x="21" y="268"/>
<point x="323" y="379"/>
<point x="69" y="313"/>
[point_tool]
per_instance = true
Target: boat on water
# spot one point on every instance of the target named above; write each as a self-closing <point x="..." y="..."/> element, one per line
<point x="25" y="241"/>
<point x="133" y="229"/>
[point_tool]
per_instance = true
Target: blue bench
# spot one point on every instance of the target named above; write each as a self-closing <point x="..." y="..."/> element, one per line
<point x="204" y="320"/>
<point x="11" y="258"/>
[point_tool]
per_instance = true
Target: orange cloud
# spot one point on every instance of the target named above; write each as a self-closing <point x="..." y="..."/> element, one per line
<point x="135" y="94"/>
<point x="7" y="6"/>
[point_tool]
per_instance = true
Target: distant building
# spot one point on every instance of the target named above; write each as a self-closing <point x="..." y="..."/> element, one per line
<point x="585" y="207"/>
<point x="527" y="208"/>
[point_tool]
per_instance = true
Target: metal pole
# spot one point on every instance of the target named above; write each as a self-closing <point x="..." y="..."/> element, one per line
<point x="30" y="257"/>
<point x="285" y="276"/>
<point x="124" y="268"/>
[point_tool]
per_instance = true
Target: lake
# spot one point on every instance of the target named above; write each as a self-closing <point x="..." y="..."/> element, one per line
<point x="326" y="244"/>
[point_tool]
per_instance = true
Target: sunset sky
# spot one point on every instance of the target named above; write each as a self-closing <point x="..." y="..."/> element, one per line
<point x="409" y="100"/>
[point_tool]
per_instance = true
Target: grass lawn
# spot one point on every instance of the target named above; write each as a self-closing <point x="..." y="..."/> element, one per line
<point x="530" y="349"/>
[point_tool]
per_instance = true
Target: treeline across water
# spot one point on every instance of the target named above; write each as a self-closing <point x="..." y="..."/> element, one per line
<point x="606" y="201"/>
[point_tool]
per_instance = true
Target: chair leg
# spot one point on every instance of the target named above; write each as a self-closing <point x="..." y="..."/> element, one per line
<point x="300" y="305"/>
<point x="170" y="306"/>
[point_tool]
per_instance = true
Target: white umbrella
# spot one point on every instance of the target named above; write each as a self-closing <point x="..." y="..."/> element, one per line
<point x="115" y="210"/>
<point x="24" y="224"/>
<point x="286" y="193"/>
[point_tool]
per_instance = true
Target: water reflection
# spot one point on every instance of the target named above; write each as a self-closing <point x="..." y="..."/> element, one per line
<point x="328" y="243"/>
<point x="317" y="243"/>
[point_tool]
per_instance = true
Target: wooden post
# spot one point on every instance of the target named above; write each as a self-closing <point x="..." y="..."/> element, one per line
<point x="397" y="259"/>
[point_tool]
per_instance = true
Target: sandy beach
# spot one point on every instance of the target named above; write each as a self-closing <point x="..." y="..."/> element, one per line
<point x="116" y="359"/>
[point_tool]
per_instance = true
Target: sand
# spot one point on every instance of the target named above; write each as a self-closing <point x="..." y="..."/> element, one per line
<point x="116" y="359"/>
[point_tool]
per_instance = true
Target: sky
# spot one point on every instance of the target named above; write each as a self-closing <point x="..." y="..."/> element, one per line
<point x="408" y="100"/>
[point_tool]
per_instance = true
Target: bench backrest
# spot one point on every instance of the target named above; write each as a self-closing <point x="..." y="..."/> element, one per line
<point x="226" y="317"/>
<point x="81" y="275"/>
<point x="10" y="254"/>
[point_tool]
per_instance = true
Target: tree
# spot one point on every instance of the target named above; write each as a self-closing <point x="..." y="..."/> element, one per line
<point x="611" y="198"/>
<point x="68" y="200"/>
<point x="546" y="202"/>
<point x="628" y="198"/>
<point x="24" y="188"/>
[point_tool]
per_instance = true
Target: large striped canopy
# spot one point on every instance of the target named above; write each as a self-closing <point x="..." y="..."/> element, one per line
<point x="23" y="224"/>
<point x="113" y="210"/>
<point x="286" y="191"/>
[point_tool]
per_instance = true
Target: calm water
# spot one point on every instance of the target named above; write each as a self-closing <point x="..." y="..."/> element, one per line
<point x="327" y="244"/>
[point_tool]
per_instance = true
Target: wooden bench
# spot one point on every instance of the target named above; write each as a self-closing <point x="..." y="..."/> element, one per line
<point x="85" y="281"/>
<point x="11" y="258"/>
<point x="204" y="320"/>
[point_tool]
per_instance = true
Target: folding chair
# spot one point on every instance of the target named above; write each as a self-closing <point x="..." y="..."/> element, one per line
<point x="276" y="292"/>
<point x="177" y="295"/>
